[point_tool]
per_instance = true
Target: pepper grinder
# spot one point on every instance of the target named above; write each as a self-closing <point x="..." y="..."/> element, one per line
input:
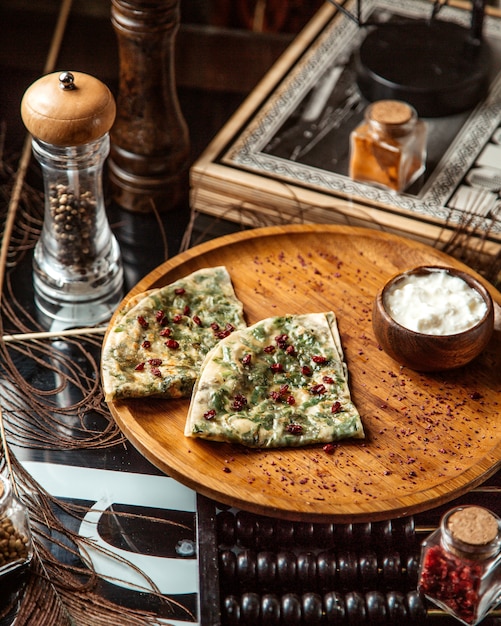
<point x="77" y="268"/>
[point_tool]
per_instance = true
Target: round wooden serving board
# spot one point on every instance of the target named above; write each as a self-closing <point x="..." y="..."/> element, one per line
<point x="429" y="437"/>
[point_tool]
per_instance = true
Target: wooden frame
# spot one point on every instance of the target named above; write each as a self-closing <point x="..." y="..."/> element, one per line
<point x="243" y="177"/>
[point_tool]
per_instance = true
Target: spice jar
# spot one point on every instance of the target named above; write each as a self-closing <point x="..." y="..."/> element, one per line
<point x="389" y="147"/>
<point x="460" y="568"/>
<point x="15" y="549"/>
<point x="77" y="269"/>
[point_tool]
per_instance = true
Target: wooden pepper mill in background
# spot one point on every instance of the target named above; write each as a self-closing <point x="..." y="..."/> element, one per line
<point x="149" y="157"/>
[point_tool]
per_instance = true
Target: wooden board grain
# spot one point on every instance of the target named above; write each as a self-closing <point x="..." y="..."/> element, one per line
<point x="429" y="437"/>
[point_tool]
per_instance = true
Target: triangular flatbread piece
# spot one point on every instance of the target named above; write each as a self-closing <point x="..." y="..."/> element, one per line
<point x="282" y="382"/>
<point x="156" y="346"/>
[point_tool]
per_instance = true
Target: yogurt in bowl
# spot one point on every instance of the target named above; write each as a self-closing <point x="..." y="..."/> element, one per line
<point x="433" y="318"/>
<point x="435" y="302"/>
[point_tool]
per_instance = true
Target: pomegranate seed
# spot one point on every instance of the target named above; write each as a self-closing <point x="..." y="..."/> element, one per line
<point x="290" y="350"/>
<point x="166" y="332"/>
<point x="186" y="310"/>
<point x="328" y="379"/>
<point x="197" y="320"/>
<point x="226" y="470"/>
<point x="336" y="407"/>
<point x="159" y="316"/>
<point x="291" y="400"/>
<point x="239" y="402"/>
<point x="179" y="291"/>
<point x="295" y="429"/>
<point x="269" y="349"/>
<point x="246" y="359"/>
<point x="211" y="413"/>
<point x="156" y="372"/>
<point x="146" y="344"/>
<point x="329" y="448"/>
<point x="277" y="368"/>
<point x="214" y="326"/>
<point x="305" y="370"/>
<point x="284" y="389"/>
<point x="319" y="359"/>
<point x="177" y="318"/>
<point x="274" y="395"/>
<point x="172" y="343"/>
<point x="139" y="367"/>
<point x="155" y="362"/>
<point x="142" y="322"/>
<point x="318" y="390"/>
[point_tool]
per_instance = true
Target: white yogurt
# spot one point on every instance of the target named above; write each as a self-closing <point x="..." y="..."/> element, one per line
<point x="435" y="303"/>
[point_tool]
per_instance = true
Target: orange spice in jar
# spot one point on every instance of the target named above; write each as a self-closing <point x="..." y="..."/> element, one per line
<point x="389" y="148"/>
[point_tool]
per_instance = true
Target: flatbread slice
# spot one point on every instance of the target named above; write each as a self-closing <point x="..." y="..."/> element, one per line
<point x="282" y="382"/>
<point x="157" y="345"/>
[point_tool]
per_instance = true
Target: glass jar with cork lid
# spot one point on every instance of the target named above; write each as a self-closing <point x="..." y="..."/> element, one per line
<point x="389" y="148"/>
<point x="460" y="567"/>
<point x="15" y="549"/>
<point x="77" y="269"/>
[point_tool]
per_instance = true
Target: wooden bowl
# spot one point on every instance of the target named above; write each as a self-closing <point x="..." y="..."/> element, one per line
<point x="425" y="352"/>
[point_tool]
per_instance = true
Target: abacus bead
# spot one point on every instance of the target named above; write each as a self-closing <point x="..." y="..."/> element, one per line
<point x="286" y="570"/>
<point x="291" y="609"/>
<point x="362" y="534"/>
<point x="246" y="569"/>
<point x="270" y="610"/>
<point x="335" y="611"/>
<point x="266" y="570"/>
<point x="348" y="569"/>
<point x="231" y="609"/>
<point x="392" y="569"/>
<point x="416" y="608"/>
<point x="383" y="532"/>
<point x="355" y="608"/>
<point x="307" y="571"/>
<point x="344" y="534"/>
<point x="284" y="533"/>
<point x="227" y="566"/>
<point x="324" y="535"/>
<point x="304" y="533"/>
<point x="226" y="528"/>
<point x="412" y="567"/>
<point x="312" y="609"/>
<point x="396" y="608"/>
<point x="375" y="603"/>
<point x="265" y="532"/>
<point x="244" y="529"/>
<point x="326" y="570"/>
<point x="368" y="569"/>
<point x="250" y="608"/>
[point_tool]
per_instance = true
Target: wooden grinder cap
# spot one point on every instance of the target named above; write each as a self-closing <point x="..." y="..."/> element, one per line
<point x="68" y="108"/>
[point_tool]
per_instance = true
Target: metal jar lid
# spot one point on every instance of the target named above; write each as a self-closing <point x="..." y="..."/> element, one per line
<point x="68" y="108"/>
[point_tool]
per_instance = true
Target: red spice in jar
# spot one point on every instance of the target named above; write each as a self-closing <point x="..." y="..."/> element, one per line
<point x="460" y="566"/>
